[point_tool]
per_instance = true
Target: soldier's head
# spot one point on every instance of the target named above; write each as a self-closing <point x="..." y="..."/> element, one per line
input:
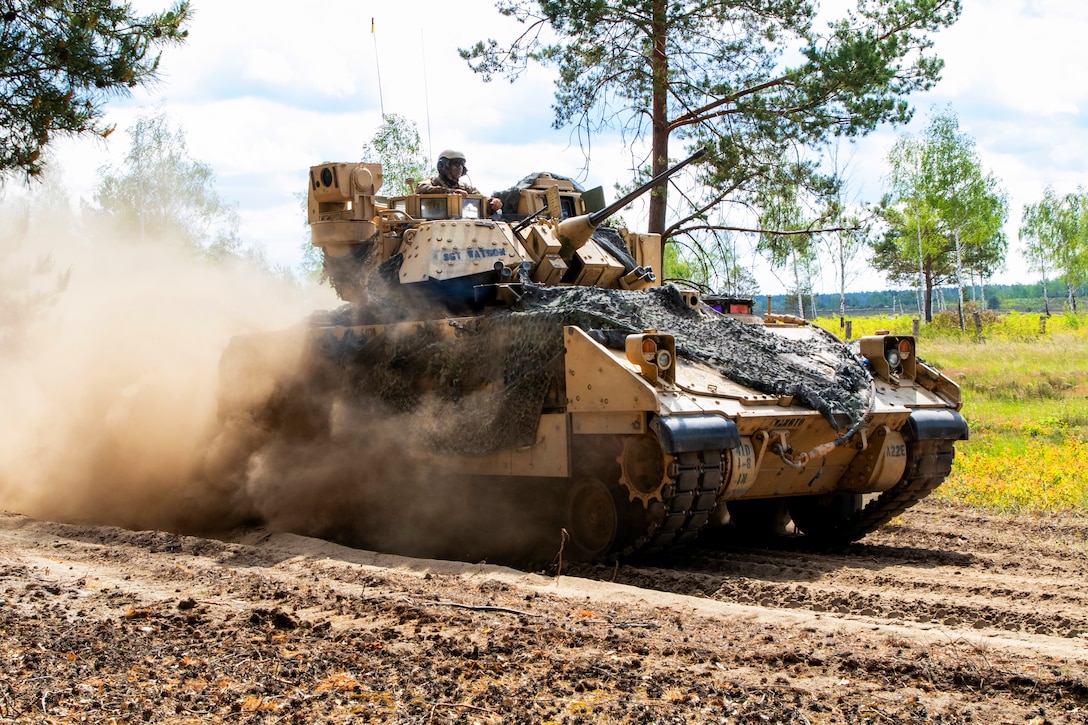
<point x="451" y="164"/>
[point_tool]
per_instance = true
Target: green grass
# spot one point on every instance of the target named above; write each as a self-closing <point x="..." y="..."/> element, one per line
<point x="1025" y="397"/>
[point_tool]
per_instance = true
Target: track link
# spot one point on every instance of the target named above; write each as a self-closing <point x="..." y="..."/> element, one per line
<point x="688" y="500"/>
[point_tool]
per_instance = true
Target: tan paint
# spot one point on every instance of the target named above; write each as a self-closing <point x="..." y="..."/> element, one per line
<point x="598" y="382"/>
<point x="599" y="269"/>
<point x="606" y="393"/>
<point x="454" y="248"/>
<point x="608" y="423"/>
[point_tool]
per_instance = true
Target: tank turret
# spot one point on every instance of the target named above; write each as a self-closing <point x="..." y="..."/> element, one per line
<point x="445" y="246"/>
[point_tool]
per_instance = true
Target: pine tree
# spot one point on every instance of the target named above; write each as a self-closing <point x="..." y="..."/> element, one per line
<point x="60" y="60"/>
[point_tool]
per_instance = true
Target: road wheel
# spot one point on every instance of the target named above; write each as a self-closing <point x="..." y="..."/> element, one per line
<point x="598" y="519"/>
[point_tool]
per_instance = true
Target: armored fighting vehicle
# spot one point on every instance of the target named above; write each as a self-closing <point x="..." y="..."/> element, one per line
<point x="538" y="351"/>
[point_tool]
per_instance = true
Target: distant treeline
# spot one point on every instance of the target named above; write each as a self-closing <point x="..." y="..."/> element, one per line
<point x="999" y="297"/>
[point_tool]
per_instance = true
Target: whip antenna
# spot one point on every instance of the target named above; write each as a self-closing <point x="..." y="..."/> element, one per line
<point x="377" y="67"/>
<point x="426" y="94"/>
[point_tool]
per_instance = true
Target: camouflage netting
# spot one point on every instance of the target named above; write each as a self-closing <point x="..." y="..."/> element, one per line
<point x="484" y="387"/>
<point x="511" y="196"/>
<point x="820" y="372"/>
<point x="478" y="391"/>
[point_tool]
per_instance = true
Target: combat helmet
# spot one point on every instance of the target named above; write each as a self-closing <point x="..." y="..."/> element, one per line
<point x="444" y="159"/>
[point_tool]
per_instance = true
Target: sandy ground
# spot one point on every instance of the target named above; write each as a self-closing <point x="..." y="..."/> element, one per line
<point x="947" y="615"/>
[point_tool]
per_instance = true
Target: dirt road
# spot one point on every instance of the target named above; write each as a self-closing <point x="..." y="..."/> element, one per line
<point x="945" y="616"/>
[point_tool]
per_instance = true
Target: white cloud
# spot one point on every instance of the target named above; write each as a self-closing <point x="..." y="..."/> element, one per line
<point x="1020" y="55"/>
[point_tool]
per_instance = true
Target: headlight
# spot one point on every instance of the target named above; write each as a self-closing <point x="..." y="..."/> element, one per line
<point x="664" y="360"/>
<point x="893" y="358"/>
<point x="649" y="349"/>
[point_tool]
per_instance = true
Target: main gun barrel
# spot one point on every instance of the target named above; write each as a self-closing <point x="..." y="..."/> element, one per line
<point x="597" y="217"/>
<point x="574" y="232"/>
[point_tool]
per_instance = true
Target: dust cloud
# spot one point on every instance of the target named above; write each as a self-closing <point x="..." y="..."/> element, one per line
<point x="108" y="386"/>
<point x="327" y="449"/>
<point x="160" y="391"/>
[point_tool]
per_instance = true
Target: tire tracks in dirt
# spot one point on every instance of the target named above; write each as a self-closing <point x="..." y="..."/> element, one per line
<point x="98" y="622"/>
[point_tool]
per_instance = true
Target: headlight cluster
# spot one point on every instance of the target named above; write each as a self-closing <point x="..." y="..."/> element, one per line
<point x="899" y="352"/>
<point x="892" y="356"/>
<point x="654" y="353"/>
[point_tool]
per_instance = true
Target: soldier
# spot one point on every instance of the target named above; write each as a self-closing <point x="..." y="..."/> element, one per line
<point x="451" y="167"/>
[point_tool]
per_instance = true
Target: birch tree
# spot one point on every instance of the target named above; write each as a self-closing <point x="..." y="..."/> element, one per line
<point x="1056" y="232"/>
<point x="789" y="247"/>
<point x="161" y="194"/>
<point x="944" y="211"/>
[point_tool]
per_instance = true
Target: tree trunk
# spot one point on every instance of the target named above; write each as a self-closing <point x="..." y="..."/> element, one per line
<point x="842" y="282"/>
<point x="925" y="307"/>
<point x="959" y="279"/>
<point x="928" y="312"/>
<point x="659" y="118"/>
<point x="800" y="290"/>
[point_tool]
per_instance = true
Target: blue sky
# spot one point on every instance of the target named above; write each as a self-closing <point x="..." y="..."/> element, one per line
<point x="264" y="91"/>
